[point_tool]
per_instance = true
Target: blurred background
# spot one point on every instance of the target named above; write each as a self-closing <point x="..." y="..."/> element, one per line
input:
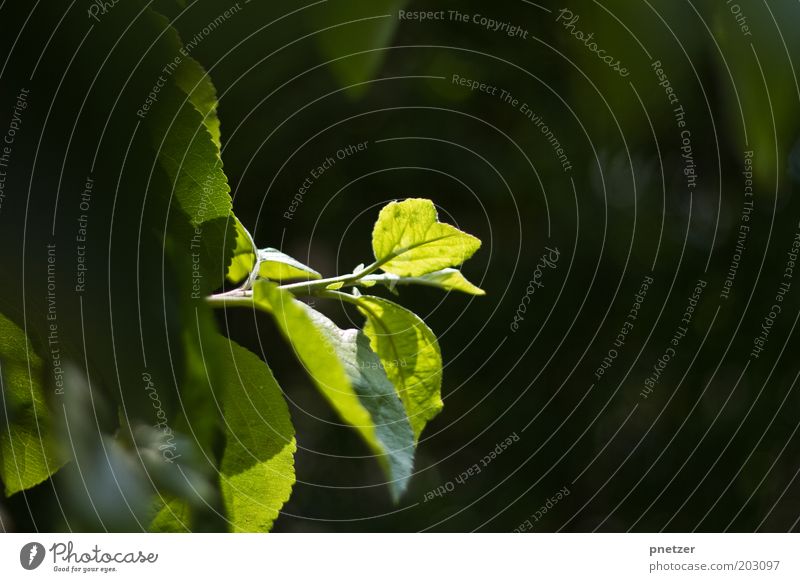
<point x="616" y="179"/>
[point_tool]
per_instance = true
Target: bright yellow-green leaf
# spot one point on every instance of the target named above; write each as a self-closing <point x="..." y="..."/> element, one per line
<point x="278" y="266"/>
<point x="27" y="450"/>
<point x="410" y="241"/>
<point x="410" y="355"/>
<point x="257" y="470"/>
<point x="244" y="255"/>
<point x="377" y="394"/>
<point x="315" y="346"/>
<point x="317" y="355"/>
<point x="448" y="279"/>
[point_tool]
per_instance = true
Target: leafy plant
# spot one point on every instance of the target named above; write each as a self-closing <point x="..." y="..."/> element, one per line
<point x="385" y="380"/>
<point x="198" y="436"/>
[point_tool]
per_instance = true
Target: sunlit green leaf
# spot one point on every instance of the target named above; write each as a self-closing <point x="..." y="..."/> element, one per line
<point x="318" y="347"/>
<point x="316" y="353"/>
<point x="410" y="241"/>
<point x="244" y="255"/>
<point x="190" y="77"/>
<point x="448" y="279"/>
<point x="378" y="396"/>
<point x="279" y="266"/>
<point x="410" y="355"/>
<point x="194" y="81"/>
<point x="257" y="470"/>
<point x="185" y="133"/>
<point x="27" y="449"/>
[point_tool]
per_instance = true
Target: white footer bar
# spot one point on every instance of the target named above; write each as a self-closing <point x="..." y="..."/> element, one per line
<point x="401" y="557"/>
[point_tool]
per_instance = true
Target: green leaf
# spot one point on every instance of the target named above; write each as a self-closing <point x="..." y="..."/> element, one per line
<point x="244" y="254"/>
<point x="319" y="348"/>
<point x="448" y="279"/>
<point x="257" y="470"/>
<point x="378" y="396"/>
<point x="191" y="78"/>
<point x="316" y="353"/>
<point x="408" y="239"/>
<point x="278" y="266"/>
<point x="185" y="132"/>
<point x="190" y="159"/>
<point x="28" y="453"/>
<point x="410" y="355"/>
<point x="195" y="82"/>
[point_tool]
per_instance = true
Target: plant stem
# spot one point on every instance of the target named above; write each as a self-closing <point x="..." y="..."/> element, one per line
<point x="228" y="299"/>
<point x="316" y="287"/>
<point x="308" y="287"/>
